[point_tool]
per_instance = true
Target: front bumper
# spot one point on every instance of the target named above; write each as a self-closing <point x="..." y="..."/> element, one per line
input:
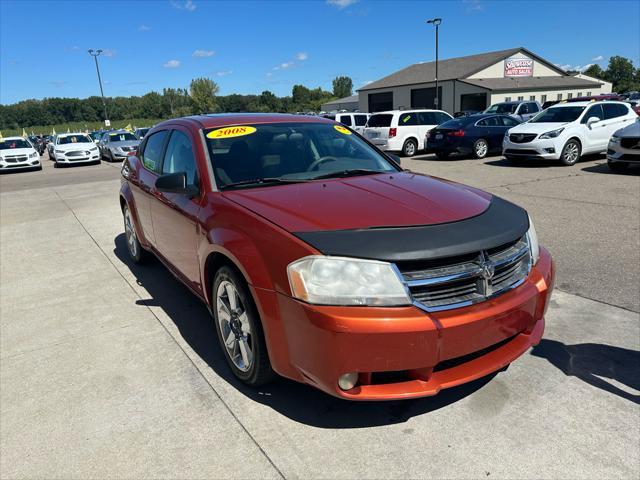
<point x="548" y="149"/>
<point x="34" y="163"/>
<point x="404" y="352"/>
<point x="616" y="153"/>
<point x="93" y="157"/>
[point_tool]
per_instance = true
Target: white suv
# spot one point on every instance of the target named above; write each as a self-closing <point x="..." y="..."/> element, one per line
<point x="403" y="131"/>
<point x="566" y="131"/>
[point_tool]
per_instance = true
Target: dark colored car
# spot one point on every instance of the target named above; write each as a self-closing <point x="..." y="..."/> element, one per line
<point x="323" y="261"/>
<point x="466" y="113"/>
<point x="476" y="135"/>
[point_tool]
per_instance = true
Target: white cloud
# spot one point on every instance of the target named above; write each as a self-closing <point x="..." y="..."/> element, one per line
<point x="597" y="59"/>
<point x="58" y="83"/>
<point x="108" y="52"/>
<point x="223" y="73"/>
<point x="204" y="53"/>
<point x="340" y="4"/>
<point x="284" y="66"/>
<point x="172" y="64"/>
<point x="584" y="67"/>
<point x="188" y="5"/>
<point x="473" y="5"/>
<point x="302" y="56"/>
<point x="144" y="28"/>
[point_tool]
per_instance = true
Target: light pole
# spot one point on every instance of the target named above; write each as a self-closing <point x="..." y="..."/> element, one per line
<point x="436" y="22"/>
<point x="95" y="54"/>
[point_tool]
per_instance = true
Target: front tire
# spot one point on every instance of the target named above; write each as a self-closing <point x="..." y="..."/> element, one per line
<point x="617" y="167"/>
<point x="570" y="153"/>
<point x="480" y="148"/>
<point x="138" y="254"/>
<point x="239" y="328"/>
<point x="409" y="148"/>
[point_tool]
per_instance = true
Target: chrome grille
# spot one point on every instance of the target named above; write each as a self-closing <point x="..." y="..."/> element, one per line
<point x="522" y="137"/>
<point x="15" y="158"/>
<point x="630" y="142"/>
<point x="76" y="153"/>
<point x="456" y="282"/>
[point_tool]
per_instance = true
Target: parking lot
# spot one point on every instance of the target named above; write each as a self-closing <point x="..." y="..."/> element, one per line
<point x="109" y="370"/>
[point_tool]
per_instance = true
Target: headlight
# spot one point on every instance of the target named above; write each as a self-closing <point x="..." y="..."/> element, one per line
<point x="615" y="139"/>
<point x="346" y="281"/>
<point x="552" y="133"/>
<point x="534" y="246"/>
<point x="60" y="151"/>
<point x="33" y="155"/>
<point x="94" y="149"/>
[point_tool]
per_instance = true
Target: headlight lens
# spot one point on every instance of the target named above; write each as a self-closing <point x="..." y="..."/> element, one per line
<point x="552" y="133"/>
<point x="33" y="155"/>
<point x="615" y="139"/>
<point x="94" y="149"/>
<point x="346" y="281"/>
<point x="60" y="151"/>
<point x="534" y="246"/>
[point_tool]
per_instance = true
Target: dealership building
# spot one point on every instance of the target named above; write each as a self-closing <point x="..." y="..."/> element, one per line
<point x="476" y="82"/>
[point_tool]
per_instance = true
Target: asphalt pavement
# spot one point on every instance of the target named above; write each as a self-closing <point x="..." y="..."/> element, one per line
<point x="110" y="370"/>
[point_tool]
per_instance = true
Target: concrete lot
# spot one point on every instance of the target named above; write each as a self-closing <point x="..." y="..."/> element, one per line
<point x="112" y="370"/>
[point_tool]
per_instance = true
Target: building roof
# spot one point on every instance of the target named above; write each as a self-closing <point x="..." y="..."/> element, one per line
<point x="350" y="99"/>
<point x="450" y="69"/>
<point x="528" y="83"/>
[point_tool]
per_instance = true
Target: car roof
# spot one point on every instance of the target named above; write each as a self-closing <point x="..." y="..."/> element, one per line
<point x="68" y="134"/>
<point x="16" y="137"/>
<point x="408" y="110"/>
<point x="587" y="102"/>
<point x="212" y="120"/>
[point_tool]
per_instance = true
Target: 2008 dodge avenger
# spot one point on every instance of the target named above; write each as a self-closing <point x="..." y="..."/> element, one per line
<point x="323" y="261"/>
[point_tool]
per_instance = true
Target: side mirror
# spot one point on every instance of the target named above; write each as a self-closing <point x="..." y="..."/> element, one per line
<point x="592" y="120"/>
<point x="176" y="183"/>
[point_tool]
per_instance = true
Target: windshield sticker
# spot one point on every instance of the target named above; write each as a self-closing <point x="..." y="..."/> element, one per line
<point x="406" y="119"/>
<point x="342" y="129"/>
<point x="229" y="132"/>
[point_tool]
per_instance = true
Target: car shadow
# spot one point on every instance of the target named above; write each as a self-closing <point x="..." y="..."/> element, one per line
<point x="594" y="363"/>
<point x="296" y="401"/>
<point x="533" y="163"/>
<point x="604" y="168"/>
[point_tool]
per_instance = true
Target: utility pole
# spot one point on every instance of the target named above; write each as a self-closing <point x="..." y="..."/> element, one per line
<point x="95" y="54"/>
<point x="436" y="22"/>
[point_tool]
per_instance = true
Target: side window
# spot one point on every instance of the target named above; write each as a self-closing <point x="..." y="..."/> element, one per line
<point x="533" y="107"/>
<point x="441" y="117"/>
<point x="180" y="157"/>
<point x="152" y="155"/>
<point x="407" y="119"/>
<point x="361" y="120"/>
<point x="345" y="120"/>
<point x="493" y="122"/>
<point x="594" y="111"/>
<point x="613" y="110"/>
<point x="508" y="121"/>
<point x="482" y="123"/>
<point x="524" y="108"/>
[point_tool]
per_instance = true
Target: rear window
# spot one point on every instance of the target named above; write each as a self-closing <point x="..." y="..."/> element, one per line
<point x="122" y="137"/>
<point x="454" y="124"/>
<point x="345" y="120"/>
<point x="502" y="108"/>
<point x="380" y="120"/>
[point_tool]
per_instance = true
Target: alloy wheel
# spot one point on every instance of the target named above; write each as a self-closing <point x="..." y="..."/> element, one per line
<point x="571" y="153"/>
<point x="234" y="326"/>
<point x="481" y="148"/>
<point x="130" y="233"/>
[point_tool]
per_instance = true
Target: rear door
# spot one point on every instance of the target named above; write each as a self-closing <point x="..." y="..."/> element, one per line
<point x="596" y="134"/>
<point x="175" y="215"/>
<point x="143" y="181"/>
<point x="377" y="129"/>
<point x="616" y="116"/>
<point x="408" y="128"/>
<point x="359" y="121"/>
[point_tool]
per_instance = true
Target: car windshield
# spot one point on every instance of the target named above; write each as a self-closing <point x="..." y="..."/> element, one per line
<point x="74" y="139"/>
<point x="380" y="120"/>
<point x="142" y="132"/>
<point x="14" y="143"/>
<point x="502" y="108"/>
<point x="262" y="154"/>
<point x="558" y="115"/>
<point x="122" y="137"/>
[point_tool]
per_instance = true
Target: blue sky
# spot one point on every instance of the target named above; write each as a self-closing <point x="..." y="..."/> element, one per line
<point x="248" y="47"/>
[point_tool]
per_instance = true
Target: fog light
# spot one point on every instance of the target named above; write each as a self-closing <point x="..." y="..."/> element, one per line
<point x="550" y="150"/>
<point x="348" y="380"/>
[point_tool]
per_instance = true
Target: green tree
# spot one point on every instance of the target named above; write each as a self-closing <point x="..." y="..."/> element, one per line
<point x="342" y="87"/>
<point x="621" y="73"/>
<point x="595" y="71"/>
<point x="203" y="94"/>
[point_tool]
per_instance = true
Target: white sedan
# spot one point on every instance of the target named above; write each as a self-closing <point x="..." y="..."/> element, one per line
<point x="566" y="131"/>
<point x="70" y="148"/>
<point x="16" y="153"/>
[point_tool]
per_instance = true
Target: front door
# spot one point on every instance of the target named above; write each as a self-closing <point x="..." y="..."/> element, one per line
<point x="175" y="215"/>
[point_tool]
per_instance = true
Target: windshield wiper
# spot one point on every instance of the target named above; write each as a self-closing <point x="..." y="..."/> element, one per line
<point x="347" y="173"/>
<point x="265" y="180"/>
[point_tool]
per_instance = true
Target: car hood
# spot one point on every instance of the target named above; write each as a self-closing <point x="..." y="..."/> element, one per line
<point x="367" y="202"/>
<point x="632" y="130"/>
<point x="75" y="146"/>
<point x="16" y="151"/>
<point x="529" y="127"/>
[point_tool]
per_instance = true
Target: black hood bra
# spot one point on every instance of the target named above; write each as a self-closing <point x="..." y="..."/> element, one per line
<point x="502" y="222"/>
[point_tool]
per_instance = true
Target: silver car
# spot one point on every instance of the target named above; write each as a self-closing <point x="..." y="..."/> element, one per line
<point x="117" y="145"/>
<point x="624" y="147"/>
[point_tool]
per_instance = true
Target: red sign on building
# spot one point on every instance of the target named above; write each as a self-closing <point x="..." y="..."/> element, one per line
<point x="518" y="67"/>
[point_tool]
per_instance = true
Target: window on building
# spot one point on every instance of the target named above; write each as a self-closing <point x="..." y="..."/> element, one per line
<point x="543" y="98"/>
<point x="559" y="96"/>
<point x="579" y="94"/>
<point x="379" y="102"/>
<point x="569" y="95"/>
<point x="507" y="99"/>
<point x="532" y="98"/>
<point x="588" y="94"/>
<point x="520" y="98"/>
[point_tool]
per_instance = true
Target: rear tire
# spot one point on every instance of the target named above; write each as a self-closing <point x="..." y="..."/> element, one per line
<point x="442" y="155"/>
<point x="570" y="153"/>
<point x="138" y="254"/>
<point x="480" y="148"/>
<point x="239" y="328"/>
<point x="617" y="167"/>
<point x="409" y="148"/>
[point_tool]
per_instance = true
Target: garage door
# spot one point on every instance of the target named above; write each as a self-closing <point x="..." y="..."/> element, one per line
<point x="379" y="102"/>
